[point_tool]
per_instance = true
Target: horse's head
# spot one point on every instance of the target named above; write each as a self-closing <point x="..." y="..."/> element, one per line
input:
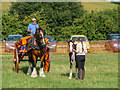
<point x="40" y="36"/>
<point x="71" y="45"/>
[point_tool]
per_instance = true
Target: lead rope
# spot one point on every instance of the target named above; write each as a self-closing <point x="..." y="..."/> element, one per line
<point x="31" y="33"/>
<point x="82" y="47"/>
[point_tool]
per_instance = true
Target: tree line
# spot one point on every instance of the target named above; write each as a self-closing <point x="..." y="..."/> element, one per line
<point x="60" y="20"/>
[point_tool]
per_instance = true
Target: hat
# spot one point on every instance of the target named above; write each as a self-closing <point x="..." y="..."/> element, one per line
<point x="33" y="19"/>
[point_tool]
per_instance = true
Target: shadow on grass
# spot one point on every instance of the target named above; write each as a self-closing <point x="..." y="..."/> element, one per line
<point x="25" y="69"/>
<point x="67" y="75"/>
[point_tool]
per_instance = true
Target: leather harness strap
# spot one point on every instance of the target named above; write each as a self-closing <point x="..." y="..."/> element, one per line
<point x="82" y="47"/>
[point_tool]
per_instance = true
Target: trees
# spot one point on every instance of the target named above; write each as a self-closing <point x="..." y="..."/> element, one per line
<point x="96" y="25"/>
<point x="41" y="20"/>
<point x="12" y="25"/>
<point x="60" y="20"/>
<point x="57" y="14"/>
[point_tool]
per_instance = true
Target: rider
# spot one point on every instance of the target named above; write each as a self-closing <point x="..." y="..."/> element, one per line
<point x="32" y="27"/>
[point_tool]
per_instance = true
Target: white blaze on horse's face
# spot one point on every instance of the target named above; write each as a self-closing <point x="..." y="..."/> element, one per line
<point x="71" y="46"/>
<point x="42" y="36"/>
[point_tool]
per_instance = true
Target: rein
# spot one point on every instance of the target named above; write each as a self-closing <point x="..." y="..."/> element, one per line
<point x="82" y="47"/>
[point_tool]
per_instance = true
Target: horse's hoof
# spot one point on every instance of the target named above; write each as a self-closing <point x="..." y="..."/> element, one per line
<point x="28" y="73"/>
<point x="76" y="77"/>
<point x="70" y="77"/>
<point x="33" y="76"/>
<point x="42" y="75"/>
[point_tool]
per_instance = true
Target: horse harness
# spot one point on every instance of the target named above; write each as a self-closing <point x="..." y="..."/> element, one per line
<point x="32" y="44"/>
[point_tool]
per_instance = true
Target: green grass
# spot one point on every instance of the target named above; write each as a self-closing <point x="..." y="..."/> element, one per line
<point x="98" y="6"/>
<point x="6" y="5"/>
<point x="101" y="72"/>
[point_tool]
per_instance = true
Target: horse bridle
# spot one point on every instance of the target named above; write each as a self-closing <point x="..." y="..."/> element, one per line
<point x="38" y="39"/>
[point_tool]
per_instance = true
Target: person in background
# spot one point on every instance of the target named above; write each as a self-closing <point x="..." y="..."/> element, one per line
<point x="32" y="27"/>
<point x="81" y="50"/>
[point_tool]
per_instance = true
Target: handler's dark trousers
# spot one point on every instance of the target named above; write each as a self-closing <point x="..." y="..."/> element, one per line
<point x="80" y="61"/>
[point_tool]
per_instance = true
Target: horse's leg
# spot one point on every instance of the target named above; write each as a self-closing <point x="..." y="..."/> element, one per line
<point x="41" y="72"/>
<point x="70" y="76"/>
<point x="29" y="69"/>
<point x="76" y="75"/>
<point x="70" y="71"/>
<point x="34" y="73"/>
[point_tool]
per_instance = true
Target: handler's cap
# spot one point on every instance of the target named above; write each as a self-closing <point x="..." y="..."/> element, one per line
<point x="33" y="19"/>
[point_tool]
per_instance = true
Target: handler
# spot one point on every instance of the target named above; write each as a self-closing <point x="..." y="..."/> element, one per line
<point x="32" y="27"/>
<point x="81" y="50"/>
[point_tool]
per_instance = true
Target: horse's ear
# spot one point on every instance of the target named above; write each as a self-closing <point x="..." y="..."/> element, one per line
<point x="37" y="28"/>
<point x="73" y="41"/>
<point x="41" y="27"/>
<point x="68" y="41"/>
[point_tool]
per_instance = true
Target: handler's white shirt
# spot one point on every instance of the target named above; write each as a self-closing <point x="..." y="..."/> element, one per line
<point x="79" y="49"/>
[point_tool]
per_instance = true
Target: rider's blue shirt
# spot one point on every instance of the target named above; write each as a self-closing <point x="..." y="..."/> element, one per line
<point x="32" y="27"/>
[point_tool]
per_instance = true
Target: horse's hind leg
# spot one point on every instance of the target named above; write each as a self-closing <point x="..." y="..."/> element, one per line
<point x="70" y="76"/>
<point x="29" y="69"/>
<point x="41" y="72"/>
<point x="34" y="73"/>
<point x="76" y="75"/>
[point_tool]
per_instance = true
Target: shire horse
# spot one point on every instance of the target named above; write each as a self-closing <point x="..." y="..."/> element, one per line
<point x="34" y="54"/>
<point x="72" y="56"/>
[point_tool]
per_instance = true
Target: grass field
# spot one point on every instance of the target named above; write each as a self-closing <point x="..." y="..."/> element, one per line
<point x="98" y="6"/>
<point x="6" y="5"/>
<point x="101" y="72"/>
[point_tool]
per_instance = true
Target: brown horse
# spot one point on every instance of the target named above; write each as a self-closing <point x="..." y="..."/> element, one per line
<point x="72" y="56"/>
<point x="34" y="54"/>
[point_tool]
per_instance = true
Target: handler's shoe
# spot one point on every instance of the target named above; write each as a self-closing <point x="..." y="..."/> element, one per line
<point x="80" y="75"/>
